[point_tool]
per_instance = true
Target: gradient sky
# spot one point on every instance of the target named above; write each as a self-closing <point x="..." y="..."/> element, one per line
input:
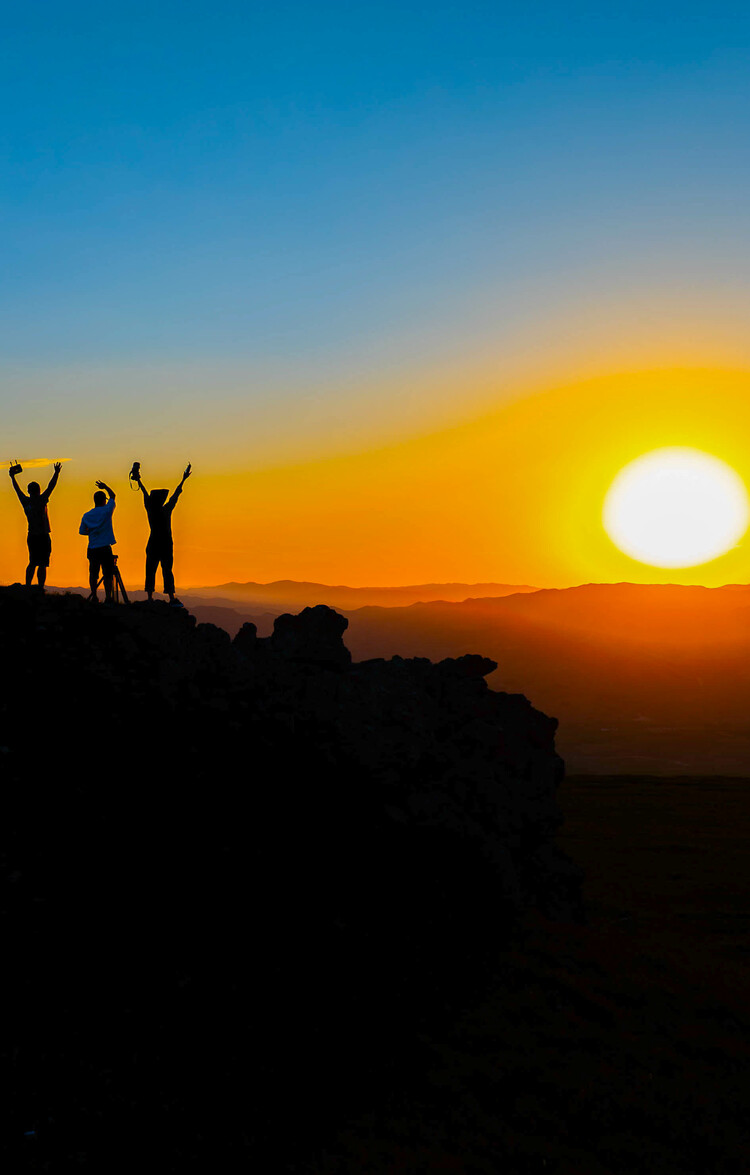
<point x="289" y="241"/>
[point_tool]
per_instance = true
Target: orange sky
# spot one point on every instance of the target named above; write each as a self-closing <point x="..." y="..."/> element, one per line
<point x="396" y="297"/>
<point x="512" y="496"/>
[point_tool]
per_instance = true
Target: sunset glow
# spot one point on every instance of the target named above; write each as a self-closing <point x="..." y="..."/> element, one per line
<point x="408" y="288"/>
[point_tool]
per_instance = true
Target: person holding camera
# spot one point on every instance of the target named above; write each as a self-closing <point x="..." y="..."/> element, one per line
<point x="160" y="546"/>
<point x="39" y="539"/>
<point x="97" y="524"/>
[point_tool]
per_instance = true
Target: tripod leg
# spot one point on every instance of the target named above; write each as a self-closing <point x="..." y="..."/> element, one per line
<point x="121" y="585"/>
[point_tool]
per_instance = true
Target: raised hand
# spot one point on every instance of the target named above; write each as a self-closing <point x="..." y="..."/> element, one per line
<point x="58" y="466"/>
<point x="187" y="472"/>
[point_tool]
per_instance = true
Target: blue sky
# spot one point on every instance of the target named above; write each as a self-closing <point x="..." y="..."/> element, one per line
<point x="264" y="202"/>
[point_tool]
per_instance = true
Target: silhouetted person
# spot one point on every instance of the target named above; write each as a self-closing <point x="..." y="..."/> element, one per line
<point x="97" y="524"/>
<point x="39" y="538"/>
<point x="160" y="546"/>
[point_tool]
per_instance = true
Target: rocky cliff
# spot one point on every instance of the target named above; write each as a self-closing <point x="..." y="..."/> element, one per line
<point x="222" y="856"/>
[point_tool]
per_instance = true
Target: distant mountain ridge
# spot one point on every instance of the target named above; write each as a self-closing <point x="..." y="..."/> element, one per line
<point x="289" y="593"/>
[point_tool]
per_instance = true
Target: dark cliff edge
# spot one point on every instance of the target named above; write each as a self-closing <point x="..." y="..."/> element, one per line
<point x="237" y="874"/>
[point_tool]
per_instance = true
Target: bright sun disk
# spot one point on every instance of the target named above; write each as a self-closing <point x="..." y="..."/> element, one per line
<point x="676" y="507"/>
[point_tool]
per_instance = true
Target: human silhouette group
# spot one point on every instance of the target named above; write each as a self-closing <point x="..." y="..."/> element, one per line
<point x="96" y="525"/>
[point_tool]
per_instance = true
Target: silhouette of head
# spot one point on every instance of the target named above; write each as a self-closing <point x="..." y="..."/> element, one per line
<point x="100" y="498"/>
<point x="34" y="489"/>
<point x="159" y="497"/>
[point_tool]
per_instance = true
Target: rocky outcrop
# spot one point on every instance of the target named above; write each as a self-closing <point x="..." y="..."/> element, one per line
<point x="255" y="846"/>
<point x="422" y="744"/>
<point x="315" y="636"/>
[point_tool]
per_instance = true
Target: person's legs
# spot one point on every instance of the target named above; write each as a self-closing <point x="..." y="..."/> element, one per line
<point x="108" y="571"/>
<point x="94" y="564"/>
<point x="44" y="544"/>
<point x="31" y="567"/>
<point x="167" y="562"/>
<point x="152" y="562"/>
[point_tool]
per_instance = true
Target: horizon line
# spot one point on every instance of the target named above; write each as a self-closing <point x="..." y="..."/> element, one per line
<point x="529" y="588"/>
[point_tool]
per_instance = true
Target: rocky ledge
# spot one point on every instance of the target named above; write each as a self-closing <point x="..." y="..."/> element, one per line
<point x="221" y="848"/>
<point x="421" y="744"/>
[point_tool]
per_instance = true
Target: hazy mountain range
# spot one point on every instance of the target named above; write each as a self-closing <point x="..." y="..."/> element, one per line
<point x="288" y="594"/>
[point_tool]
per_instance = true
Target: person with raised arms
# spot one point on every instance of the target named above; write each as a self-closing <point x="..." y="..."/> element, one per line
<point x="160" y="546"/>
<point x="39" y="539"/>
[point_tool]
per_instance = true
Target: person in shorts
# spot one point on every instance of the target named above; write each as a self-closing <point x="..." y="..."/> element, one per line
<point x="97" y="524"/>
<point x="39" y="538"/>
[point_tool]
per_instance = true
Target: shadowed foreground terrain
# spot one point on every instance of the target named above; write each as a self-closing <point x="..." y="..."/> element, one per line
<point x="266" y="909"/>
<point x="239" y="875"/>
<point x="621" y="1045"/>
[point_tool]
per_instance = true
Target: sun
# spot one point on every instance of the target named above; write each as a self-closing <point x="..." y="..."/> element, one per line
<point x="676" y="507"/>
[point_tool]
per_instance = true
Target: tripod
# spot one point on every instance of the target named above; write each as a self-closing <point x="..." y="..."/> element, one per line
<point x="118" y="585"/>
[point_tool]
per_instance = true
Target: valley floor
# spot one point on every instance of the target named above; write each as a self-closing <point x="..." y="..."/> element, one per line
<point x="619" y="1046"/>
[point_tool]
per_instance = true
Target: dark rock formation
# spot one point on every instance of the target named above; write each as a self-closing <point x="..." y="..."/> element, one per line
<point x="226" y="858"/>
<point x="315" y="635"/>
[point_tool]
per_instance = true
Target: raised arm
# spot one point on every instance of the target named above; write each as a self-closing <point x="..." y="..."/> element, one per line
<point x="102" y="485"/>
<point x="20" y="493"/>
<point x="173" y="500"/>
<point x="53" y="479"/>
